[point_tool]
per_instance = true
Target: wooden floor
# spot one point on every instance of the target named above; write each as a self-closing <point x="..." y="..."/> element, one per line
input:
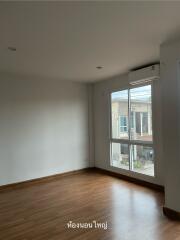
<point x="42" y="211"/>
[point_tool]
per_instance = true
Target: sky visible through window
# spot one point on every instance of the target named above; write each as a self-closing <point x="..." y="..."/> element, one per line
<point x="142" y="93"/>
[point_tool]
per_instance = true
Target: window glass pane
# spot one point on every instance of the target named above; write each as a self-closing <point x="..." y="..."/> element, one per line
<point x="120" y="155"/>
<point x="119" y="108"/>
<point x="141" y="113"/>
<point x="142" y="159"/>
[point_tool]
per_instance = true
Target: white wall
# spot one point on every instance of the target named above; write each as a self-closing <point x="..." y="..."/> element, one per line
<point x="102" y="127"/>
<point x="43" y="128"/>
<point x="170" y="72"/>
<point x="91" y="125"/>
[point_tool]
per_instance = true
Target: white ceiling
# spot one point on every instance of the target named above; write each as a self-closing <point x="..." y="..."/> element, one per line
<point x="67" y="40"/>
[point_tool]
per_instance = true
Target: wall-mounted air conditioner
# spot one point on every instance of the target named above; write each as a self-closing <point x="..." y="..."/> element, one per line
<point x="143" y="75"/>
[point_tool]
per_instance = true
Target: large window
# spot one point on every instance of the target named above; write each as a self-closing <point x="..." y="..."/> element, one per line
<point x="131" y="130"/>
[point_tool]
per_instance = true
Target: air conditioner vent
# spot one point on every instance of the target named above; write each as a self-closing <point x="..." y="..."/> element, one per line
<point x="143" y="75"/>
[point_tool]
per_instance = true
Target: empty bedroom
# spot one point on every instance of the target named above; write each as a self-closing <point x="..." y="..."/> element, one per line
<point x="90" y="120"/>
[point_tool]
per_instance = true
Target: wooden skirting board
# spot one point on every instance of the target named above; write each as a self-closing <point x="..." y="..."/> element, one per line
<point x="42" y="179"/>
<point x="172" y="214"/>
<point x="131" y="179"/>
<point x="99" y="170"/>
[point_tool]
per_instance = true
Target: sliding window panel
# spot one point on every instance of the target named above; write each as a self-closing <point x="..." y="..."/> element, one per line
<point x="120" y="155"/>
<point x="119" y="115"/>
<point x="141" y="114"/>
<point x="142" y="159"/>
